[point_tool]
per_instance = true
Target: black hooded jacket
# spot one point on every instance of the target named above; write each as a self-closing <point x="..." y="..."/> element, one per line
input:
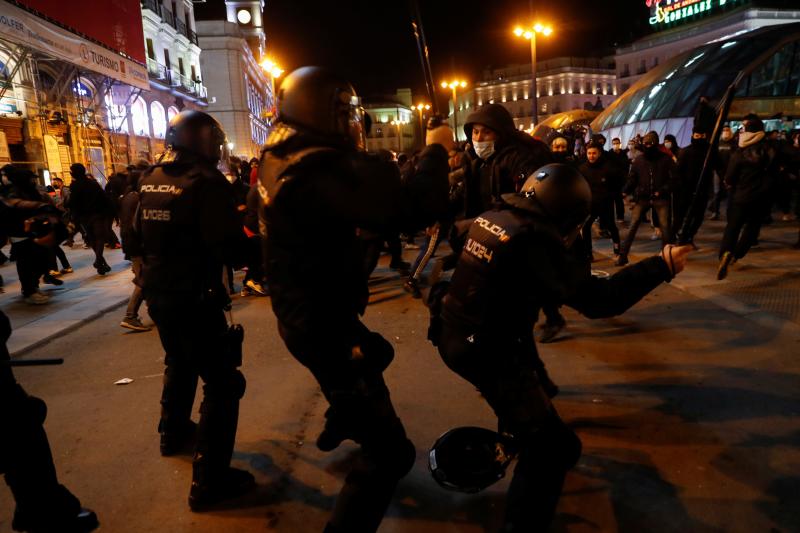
<point x="650" y="176"/>
<point x="517" y="155"/>
<point x="603" y="177"/>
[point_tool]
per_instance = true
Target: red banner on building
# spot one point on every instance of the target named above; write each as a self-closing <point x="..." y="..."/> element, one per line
<point x="116" y="24"/>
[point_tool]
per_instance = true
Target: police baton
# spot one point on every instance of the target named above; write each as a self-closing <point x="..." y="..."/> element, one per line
<point x="33" y="362"/>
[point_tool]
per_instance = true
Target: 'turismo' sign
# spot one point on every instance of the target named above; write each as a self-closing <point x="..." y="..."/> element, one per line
<point x="672" y="11"/>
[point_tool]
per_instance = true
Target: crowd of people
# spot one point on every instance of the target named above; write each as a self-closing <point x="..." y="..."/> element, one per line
<point x="308" y="220"/>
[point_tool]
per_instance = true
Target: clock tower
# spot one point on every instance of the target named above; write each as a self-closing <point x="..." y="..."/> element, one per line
<point x="248" y="15"/>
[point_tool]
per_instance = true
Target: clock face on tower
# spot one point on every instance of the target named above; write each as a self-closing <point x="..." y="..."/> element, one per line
<point x="243" y="16"/>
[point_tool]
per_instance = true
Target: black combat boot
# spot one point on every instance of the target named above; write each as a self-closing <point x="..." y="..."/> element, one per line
<point x="210" y="489"/>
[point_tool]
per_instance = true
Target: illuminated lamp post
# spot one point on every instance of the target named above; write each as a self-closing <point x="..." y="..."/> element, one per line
<point x="530" y="34"/>
<point x="274" y="71"/>
<point x="421" y="108"/>
<point x="454" y="85"/>
<point x="399" y="123"/>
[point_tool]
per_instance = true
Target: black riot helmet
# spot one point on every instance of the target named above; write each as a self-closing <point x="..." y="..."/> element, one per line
<point x="196" y="133"/>
<point x="321" y="102"/>
<point x="469" y="459"/>
<point x="559" y="192"/>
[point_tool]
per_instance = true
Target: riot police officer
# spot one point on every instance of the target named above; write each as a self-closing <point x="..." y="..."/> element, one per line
<point x="515" y="261"/>
<point x="189" y="229"/>
<point x="317" y="187"/>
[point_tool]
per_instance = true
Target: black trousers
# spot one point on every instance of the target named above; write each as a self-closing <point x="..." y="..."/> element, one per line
<point x="26" y="460"/>
<point x="744" y="224"/>
<point x="504" y="371"/>
<point x="347" y="361"/>
<point x="255" y="259"/>
<point x="97" y="227"/>
<point x="192" y="332"/>
<point x="33" y="261"/>
<point x="603" y="210"/>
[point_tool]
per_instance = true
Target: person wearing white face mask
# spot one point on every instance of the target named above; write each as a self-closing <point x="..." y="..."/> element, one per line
<point x="497" y="160"/>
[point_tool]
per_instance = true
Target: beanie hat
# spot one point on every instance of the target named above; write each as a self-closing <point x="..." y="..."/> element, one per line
<point x="443" y="135"/>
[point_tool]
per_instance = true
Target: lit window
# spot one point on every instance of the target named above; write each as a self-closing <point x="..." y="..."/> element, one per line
<point x="117" y="117"/>
<point x="159" y="119"/>
<point x="139" y="117"/>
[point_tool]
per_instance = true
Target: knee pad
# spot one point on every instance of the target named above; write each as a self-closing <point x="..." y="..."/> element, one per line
<point x="35" y="410"/>
<point x="376" y="352"/>
<point x="395" y="459"/>
<point x="555" y="444"/>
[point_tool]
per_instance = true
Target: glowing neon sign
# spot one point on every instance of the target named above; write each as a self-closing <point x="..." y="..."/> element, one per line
<point x="669" y="11"/>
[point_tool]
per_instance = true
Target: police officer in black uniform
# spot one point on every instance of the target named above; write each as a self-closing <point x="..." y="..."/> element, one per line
<point x="515" y="261"/>
<point x="189" y="229"/>
<point x="317" y="187"/>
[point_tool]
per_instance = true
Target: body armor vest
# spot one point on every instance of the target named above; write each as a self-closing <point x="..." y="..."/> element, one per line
<point x="175" y="258"/>
<point x="485" y="289"/>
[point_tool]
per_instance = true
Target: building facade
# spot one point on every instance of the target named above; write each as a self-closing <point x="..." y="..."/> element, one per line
<point x="241" y="93"/>
<point x="395" y="126"/>
<point x="563" y="84"/>
<point x="69" y="98"/>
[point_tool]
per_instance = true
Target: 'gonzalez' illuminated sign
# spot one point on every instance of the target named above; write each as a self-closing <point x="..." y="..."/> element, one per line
<point x="669" y="11"/>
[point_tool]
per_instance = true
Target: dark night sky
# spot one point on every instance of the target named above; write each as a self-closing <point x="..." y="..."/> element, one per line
<point x="371" y="40"/>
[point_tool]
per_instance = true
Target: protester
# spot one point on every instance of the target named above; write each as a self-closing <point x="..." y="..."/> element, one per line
<point x="603" y="180"/>
<point x="649" y="181"/>
<point x="750" y="179"/>
<point x="91" y="208"/>
<point x="132" y="246"/>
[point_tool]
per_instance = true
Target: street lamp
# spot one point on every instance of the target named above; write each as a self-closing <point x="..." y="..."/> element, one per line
<point x="530" y="34"/>
<point x="274" y="71"/>
<point x="454" y="85"/>
<point x="421" y="108"/>
<point x="399" y="123"/>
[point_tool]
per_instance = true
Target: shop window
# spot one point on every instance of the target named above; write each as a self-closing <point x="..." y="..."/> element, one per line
<point x="159" y="119"/>
<point x="139" y="117"/>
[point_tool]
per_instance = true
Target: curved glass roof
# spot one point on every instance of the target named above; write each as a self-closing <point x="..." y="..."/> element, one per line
<point x="672" y="89"/>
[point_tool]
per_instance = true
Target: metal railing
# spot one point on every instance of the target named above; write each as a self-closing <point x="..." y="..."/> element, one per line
<point x="156" y="69"/>
<point x="152" y="5"/>
<point x="181" y="27"/>
<point x="193" y="37"/>
<point x="167" y="16"/>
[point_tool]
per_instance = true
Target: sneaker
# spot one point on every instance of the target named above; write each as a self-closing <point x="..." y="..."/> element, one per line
<point x="47" y="278"/>
<point x="102" y="268"/>
<point x="622" y="260"/>
<point x="37" y="298"/>
<point x="254" y="287"/>
<point x="54" y="273"/>
<point x="174" y="443"/>
<point x="411" y="286"/>
<point x="616" y="250"/>
<point x="551" y="330"/>
<point x="134" y="323"/>
<point x="67" y="270"/>
<point x="724" y="263"/>
<point x="207" y="493"/>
